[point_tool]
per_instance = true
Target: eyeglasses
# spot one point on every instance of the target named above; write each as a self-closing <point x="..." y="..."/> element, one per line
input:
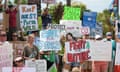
<point x="3" y="35"/>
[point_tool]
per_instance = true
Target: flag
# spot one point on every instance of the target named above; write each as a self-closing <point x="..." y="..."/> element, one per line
<point x="53" y="68"/>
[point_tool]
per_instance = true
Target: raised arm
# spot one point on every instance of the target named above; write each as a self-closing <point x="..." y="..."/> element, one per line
<point x="18" y="3"/>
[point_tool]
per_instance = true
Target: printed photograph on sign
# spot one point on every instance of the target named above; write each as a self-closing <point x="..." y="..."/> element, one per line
<point x="18" y="48"/>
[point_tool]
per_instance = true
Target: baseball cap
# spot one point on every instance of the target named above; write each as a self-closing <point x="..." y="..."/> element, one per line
<point x="108" y="34"/>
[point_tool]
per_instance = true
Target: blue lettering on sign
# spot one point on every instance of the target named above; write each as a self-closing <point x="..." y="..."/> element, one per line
<point x="25" y="22"/>
<point x="32" y="16"/>
<point x="25" y="16"/>
<point x="50" y="34"/>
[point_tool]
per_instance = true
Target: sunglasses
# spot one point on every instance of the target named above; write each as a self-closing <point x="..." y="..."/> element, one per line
<point x="3" y="35"/>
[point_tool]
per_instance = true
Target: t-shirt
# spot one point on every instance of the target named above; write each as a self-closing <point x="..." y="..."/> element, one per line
<point x="46" y="19"/>
<point x="31" y="52"/>
<point x="12" y="18"/>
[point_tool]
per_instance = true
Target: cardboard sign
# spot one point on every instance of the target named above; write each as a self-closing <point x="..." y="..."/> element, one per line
<point x="100" y="51"/>
<point x="28" y="17"/>
<point x="18" y="69"/>
<point x="18" y="47"/>
<point x="6" y="57"/>
<point x="77" y="51"/>
<point x="50" y="40"/>
<point x="117" y="57"/>
<point x="72" y="26"/>
<point x="40" y="65"/>
<point x="71" y="13"/>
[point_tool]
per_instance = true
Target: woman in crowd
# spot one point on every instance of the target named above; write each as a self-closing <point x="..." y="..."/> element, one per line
<point x="30" y="50"/>
<point x="67" y="66"/>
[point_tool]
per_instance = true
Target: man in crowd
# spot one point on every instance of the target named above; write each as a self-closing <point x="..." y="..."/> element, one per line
<point x="12" y="11"/>
<point x="46" y="18"/>
<point x="109" y="38"/>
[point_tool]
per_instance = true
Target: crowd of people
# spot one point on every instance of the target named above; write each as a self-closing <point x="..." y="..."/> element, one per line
<point x="31" y="49"/>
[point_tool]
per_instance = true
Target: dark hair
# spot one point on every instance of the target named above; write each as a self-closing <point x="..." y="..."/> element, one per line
<point x="70" y="35"/>
<point x="10" y="6"/>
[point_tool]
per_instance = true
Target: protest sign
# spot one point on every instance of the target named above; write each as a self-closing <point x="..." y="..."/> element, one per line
<point x="100" y="51"/>
<point x="6" y="57"/>
<point x="49" y="1"/>
<point x="77" y="51"/>
<point x="18" y="69"/>
<point x="50" y="40"/>
<point x="56" y="26"/>
<point x="40" y="65"/>
<point x="117" y="57"/>
<point x="71" y="13"/>
<point x="99" y="29"/>
<point x="89" y="19"/>
<point x="18" y="47"/>
<point x="28" y="17"/>
<point x="72" y="26"/>
<point x="84" y="30"/>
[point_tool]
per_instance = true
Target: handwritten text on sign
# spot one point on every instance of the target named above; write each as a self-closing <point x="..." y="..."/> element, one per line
<point x="72" y="26"/>
<point x="71" y="13"/>
<point x="6" y="57"/>
<point x="40" y="65"/>
<point x="50" y="40"/>
<point x="28" y="17"/>
<point x="18" y="69"/>
<point x="100" y="50"/>
<point x="77" y="51"/>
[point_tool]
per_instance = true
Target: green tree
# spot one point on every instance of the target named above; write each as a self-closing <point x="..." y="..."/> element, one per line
<point x="22" y="1"/>
<point x="104" y="17"/>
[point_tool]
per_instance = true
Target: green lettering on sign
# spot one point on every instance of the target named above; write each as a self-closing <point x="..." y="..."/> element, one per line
<point x="71" y="13"/>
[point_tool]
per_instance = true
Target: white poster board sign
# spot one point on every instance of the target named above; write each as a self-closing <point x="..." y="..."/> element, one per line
<point x="28" y="17"/>
<point x="6" y="55"/>
<point x="40" y="65"/>
<point x="72" y="26"/>
<point x="77" y="51"/>
<point x="100" y="51"/>
<point x="18" y="69"/>
<point x="117" y="57"/>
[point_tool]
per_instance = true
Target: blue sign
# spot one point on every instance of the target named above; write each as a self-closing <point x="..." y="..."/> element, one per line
<point x="89" y="19"/>
<point x="50" y="40"/>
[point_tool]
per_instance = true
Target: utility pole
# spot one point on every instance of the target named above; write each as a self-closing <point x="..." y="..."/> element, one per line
<point x="68" y="2"/>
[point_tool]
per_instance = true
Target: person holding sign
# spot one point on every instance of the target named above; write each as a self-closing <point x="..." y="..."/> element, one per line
<point x="67" y="66"/>
<point x="109" y="38"/>
<point x="12" y="11"/>
<point x="30" y="50"/>
<point x="3" y="37"/>
<point x="46" y="18"/>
